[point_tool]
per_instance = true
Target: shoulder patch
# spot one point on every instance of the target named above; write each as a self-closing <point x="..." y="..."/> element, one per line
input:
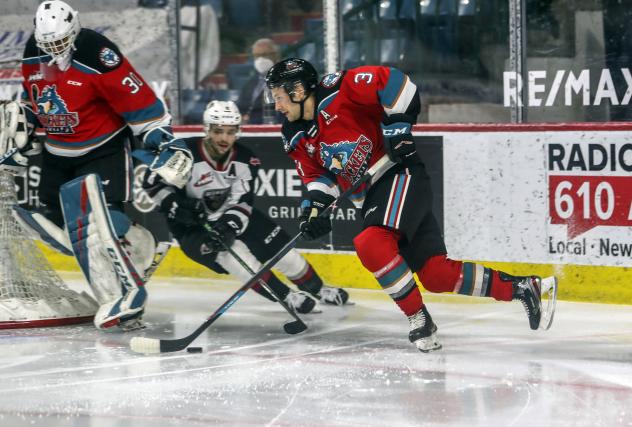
<point x="97" y="52"/>
<point x="330" y="80"/>
<point x="108" y="57"/>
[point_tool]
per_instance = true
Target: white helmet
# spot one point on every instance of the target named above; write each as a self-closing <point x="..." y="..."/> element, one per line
<point x="223" y="113"/>
<point x="56" y="28"/>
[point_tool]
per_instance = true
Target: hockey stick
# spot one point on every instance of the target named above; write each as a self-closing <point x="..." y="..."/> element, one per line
<point x="295" y="327"/>
<point x="153" y="345"/>
<point x="161" y="252"/>
<point x="9" y="154"/>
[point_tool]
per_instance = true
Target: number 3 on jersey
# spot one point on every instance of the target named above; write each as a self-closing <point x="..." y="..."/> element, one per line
<point x="133" y="81"/>
<point x="366" y="77"/>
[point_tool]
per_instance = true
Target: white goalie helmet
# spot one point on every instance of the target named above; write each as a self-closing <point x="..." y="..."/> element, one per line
<point x="56" y="28"/>
<point x="222" y="113"/>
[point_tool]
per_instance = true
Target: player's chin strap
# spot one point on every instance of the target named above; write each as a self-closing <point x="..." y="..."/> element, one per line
<point x="301" y="103"/>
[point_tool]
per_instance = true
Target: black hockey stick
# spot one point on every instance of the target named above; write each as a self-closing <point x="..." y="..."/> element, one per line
<point x="153" y="345"/>
<point x="295" y="327"/>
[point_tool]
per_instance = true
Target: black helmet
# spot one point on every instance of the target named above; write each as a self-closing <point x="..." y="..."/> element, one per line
<point x="289" y="72"/>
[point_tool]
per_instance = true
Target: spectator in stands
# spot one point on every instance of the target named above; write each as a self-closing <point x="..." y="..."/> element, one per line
<point x="265" y="53"/>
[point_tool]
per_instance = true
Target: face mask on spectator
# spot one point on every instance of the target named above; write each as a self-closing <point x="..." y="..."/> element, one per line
<point x="263" y="64"/>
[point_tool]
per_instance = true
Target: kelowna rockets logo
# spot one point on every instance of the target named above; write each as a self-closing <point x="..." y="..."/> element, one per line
<point x="52" y="111"/>
<point x="346" y="158"/>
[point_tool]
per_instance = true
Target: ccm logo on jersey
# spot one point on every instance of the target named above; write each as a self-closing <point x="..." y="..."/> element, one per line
<point x="396" y="129"/>
<point x="36" y="76"/>
<point x="74" y="83"/>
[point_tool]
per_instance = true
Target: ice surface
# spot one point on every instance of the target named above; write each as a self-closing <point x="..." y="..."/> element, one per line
<point x="353" y="367"/>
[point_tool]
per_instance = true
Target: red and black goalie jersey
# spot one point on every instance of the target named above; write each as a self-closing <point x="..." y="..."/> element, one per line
<point x="84" y="106"/>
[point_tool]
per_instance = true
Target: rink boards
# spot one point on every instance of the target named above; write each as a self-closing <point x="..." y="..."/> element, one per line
<point x="537" y="199"/>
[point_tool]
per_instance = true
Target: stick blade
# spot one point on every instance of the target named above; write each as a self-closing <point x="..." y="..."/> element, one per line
<point x="145" y="345"/>
<point x="295" y="327"/>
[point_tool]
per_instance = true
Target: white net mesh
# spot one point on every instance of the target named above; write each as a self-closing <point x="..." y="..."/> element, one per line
<point x="31" y="293"/>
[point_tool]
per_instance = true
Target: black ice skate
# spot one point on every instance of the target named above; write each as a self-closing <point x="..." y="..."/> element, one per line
<point x="538" y="296"/>
<point x="527" y="291"/>
<point x="423" y="331"/>
<point x="334" y="296"/>
<point x="300" y="302"/>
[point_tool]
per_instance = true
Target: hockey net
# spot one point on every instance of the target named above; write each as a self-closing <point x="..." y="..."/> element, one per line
<point x="31" y="293"/>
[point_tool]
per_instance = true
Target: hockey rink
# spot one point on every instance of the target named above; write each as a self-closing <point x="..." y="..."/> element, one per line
<point x="353" y="367"/>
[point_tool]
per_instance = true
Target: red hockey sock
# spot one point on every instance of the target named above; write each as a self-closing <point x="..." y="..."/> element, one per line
<point x="441" y="274"/>
<point x="378" y="251"/>
<point x="502" y="290"/>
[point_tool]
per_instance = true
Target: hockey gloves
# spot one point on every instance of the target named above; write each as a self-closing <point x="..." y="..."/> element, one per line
<point x="183" y="210"/>
<point x="223" y="233"/>
<point x="398" y="139"/>
<point x="166" y="156"/>
<point x="311" y="224"/>
<point x="15" y="138"/>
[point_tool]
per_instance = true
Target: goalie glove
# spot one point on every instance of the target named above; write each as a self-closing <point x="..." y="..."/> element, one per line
<point x="398" y="139"/>
<point x="311" y="224"/>
<point x="172" y="159"/>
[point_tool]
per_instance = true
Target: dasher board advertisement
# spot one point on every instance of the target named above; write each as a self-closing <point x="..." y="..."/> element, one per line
<point x="554" y="197"/>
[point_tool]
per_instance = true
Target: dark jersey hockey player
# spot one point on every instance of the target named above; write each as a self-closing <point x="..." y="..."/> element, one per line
<point x="89" y="100"/>
<point x="221" y="192"/>
<point x="338" y="128"/>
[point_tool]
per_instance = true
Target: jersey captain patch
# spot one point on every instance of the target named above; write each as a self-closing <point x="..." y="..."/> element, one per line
<point x="109" y="58"/>
<point x="52" y="111"/>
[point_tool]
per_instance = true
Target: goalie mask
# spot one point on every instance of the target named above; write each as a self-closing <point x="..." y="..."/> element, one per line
<point x="56" y="28"/>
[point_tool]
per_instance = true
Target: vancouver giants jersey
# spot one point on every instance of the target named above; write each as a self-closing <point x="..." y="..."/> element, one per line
<point x="345" y="137"/>
<point x="94" y="99"/>
<point x="227" y="187"/>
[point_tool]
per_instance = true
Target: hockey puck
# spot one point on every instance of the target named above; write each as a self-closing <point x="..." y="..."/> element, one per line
<point x="194" y="350"/>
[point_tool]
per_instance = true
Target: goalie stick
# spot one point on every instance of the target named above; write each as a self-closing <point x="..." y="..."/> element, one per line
<point x="153" y="345"/>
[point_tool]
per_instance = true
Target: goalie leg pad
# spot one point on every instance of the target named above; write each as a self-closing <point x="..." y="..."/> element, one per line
<point x="121" y="311"/>
<point x="41" y="228"/>
<point x="93" y="233"/>
<point x="141" y="247"/>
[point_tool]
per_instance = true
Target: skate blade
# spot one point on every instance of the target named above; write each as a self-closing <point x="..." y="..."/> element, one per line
<point x="549" y="299"/>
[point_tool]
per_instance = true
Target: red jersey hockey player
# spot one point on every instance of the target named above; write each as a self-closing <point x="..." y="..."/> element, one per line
<point x="91" y="102"/>
<point x="338" y="128"/>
